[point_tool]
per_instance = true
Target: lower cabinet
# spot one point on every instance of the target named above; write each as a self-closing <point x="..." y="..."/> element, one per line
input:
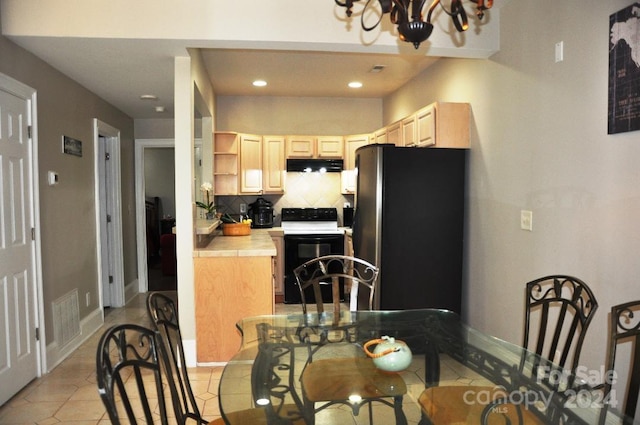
<point x="348" y="244"/>
<point x="278" y="263"/>
<point x="227" y="290"/>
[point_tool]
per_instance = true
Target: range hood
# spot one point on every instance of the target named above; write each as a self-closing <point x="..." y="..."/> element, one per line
<point x="310" y="165"/>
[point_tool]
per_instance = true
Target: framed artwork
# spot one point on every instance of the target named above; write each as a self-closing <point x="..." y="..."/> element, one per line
<point x="624" y="70"/>
<point x="71" y="146"/>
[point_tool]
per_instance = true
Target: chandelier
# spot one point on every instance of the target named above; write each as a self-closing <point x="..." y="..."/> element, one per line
<point x="407" y="14"/>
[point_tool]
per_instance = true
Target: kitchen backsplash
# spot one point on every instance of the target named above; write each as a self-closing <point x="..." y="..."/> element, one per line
<point x="303" y="190"/>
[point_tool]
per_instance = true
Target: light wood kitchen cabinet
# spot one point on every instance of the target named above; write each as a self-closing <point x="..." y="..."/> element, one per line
<point x="378" y="136"/>
<point x="329" y="146"/>
<point x="452" y="125"/>
<point x="441" y="125"/>
<point x="348" y="244"/>
<point x="426" y="126"/>
<point x="225" y="163"/>
<point x="278" y="264"/>
<point x="394" y="133"/>
<point x="314" y="146"/>
<point x="273" y="164"/>
<point x="348" y="175"/>
<point x="351" y="144"/>
<point x="250" y="163"/>
<point x="229" y="289"/>
<point x="409" y="131"/>
<point x="301" y="146"/>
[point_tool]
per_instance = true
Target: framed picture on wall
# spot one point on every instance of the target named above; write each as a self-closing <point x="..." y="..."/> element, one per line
<point x="71" y="146"/>
<point x="624" y="70"/>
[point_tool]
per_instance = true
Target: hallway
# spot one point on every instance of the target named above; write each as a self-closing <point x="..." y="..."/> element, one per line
<point x="69" y="394"/>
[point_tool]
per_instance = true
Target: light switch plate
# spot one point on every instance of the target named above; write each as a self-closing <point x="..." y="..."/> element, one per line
<point x="526" y="220"/>
<point x="52" y="178"/>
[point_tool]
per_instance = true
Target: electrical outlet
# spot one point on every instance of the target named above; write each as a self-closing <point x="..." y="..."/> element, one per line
<point x="243" y="208"/>
<point x="526" y="220"/>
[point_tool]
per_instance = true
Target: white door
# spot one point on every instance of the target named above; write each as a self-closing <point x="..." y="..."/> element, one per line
<point x="106" y="230"/>
<point x="18" y="315"/>
<point x="109" y="214"/>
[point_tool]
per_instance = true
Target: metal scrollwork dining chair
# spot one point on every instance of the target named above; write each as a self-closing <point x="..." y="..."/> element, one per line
<point x="558" y="311"/>
<point x="329" y="381"/>
<point x="624" y="334"/>
<point x="164" y="315"/>
<point x="129" y="376"/>
<point x="335" y="270"/>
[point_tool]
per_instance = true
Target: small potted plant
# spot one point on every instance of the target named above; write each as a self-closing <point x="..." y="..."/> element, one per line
<point x="207" y="205"/>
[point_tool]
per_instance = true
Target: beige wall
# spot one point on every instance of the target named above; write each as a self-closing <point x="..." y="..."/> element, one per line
<point x="297" y="115"/>
<point x="539" y="143"/>
<point x="68" y="229"/>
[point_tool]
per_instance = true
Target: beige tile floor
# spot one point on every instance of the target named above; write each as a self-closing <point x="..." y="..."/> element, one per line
<point x="68" y="394"/>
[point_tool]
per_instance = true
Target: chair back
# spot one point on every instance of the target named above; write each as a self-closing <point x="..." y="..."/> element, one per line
<point x="164" y="315"/>
<point x="558" y="312"/>
<point x="129" y="376"/>
<point x="335" y="270"/>
<point x="624" y="334"/>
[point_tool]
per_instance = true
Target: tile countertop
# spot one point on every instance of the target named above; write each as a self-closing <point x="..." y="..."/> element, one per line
<point x="257" y="244"/>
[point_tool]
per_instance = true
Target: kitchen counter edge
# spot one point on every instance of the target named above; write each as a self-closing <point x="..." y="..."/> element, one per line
<point x="257" y="244"/>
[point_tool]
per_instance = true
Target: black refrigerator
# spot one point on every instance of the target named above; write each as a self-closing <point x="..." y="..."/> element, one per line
<point x="409" y="221"/>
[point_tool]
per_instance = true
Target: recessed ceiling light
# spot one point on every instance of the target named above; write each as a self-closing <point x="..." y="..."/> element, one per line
<point x="355" y="84"/>
<point x="259" y="83"/>
<point x="148" y="97"/>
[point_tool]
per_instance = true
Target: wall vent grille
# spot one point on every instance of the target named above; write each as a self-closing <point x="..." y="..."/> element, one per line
<point x="66" y="318"/>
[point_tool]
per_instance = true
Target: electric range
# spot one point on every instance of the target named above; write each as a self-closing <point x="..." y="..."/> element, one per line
<point x="308" y="233"/>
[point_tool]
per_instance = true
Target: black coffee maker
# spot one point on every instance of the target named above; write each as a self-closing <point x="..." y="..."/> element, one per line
<point x="261" y="213"/>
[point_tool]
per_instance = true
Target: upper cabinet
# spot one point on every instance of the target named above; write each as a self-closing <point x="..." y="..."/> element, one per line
<point x="273" y="164"/>
<point x="394" y="133"/>
<point x="225" y="163"/>
<point x="250" y="163"/>
<point x="351" y="144"/>
<point x="426" y="126"/>
<point x="314" y="146"/>
<point x="441" y="125"/>
<point x="348" y="176"/>
<point x="329" y="146"/>
<point x="378" y="136"/>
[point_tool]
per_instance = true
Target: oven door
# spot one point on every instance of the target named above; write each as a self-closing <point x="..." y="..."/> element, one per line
<point x="299" y="249"/>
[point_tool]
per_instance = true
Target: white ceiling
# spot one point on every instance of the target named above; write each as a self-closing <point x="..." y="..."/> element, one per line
<point x="121" y="62"/>
<point x="309" y="73"/>
<point x="119" y="71"/>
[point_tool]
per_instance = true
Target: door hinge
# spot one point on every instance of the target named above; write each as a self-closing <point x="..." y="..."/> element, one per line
<point x="33" y="233"/>
<point x="110" y="279"/>
<point x="107" y="156"/>
<point x="29" y="131"/>
<point x="108" y="218"/>
<point x="37" y="334"/>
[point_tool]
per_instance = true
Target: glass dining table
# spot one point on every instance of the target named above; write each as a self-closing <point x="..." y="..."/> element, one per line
<point x="268" y="381"/>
